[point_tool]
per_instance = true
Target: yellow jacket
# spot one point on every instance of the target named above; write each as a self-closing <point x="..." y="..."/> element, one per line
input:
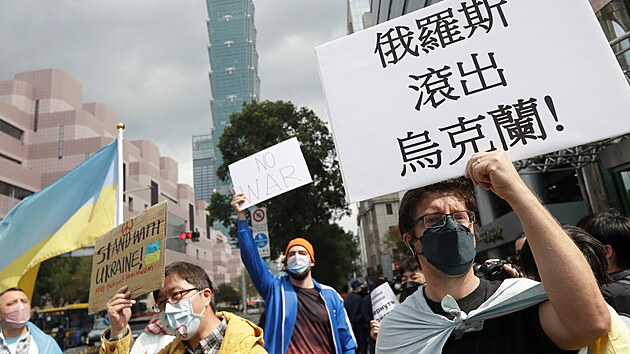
<point x="241" y="336"/>
<point x="616" y="341"/>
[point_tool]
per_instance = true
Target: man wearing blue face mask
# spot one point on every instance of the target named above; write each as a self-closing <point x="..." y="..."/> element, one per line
<point x="302" y="315"/>
<point x="456" y="312"/>
<point x="186" y="310"/>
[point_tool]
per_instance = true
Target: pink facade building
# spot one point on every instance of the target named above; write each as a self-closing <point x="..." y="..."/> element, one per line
<point x="46" y="130"/>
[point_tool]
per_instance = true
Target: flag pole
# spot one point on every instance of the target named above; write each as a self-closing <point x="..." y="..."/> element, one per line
<point x="119" y="189"/>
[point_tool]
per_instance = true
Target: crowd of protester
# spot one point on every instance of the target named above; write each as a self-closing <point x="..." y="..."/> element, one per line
<point x="565" y="290"/>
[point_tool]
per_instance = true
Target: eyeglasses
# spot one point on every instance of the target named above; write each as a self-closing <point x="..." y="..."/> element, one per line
<point x="172" y="299"/>
<point x="439" y="219"/>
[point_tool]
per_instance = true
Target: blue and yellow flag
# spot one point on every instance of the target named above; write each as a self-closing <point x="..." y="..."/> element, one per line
<point x="71" y="213"/>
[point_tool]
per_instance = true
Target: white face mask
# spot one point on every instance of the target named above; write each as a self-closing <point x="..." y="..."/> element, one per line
<point x="18" y="315"/>
<point x="298" y="263"/>
<point x="180" y="319"/>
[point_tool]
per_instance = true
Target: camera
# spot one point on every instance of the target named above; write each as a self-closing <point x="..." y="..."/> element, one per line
<point x="492" y="270"/>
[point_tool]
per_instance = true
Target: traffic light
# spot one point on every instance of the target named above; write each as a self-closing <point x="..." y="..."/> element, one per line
<point x="184" y="235"/>
<point x="195" y="236"/>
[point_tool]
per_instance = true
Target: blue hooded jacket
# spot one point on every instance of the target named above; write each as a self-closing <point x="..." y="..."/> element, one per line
<point x="281" y="301"/>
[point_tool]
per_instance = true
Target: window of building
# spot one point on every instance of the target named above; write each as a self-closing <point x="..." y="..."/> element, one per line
<point x="13" y="191"/>
<point x="11" y="130"/>
<point x="389" y="209"/>
<point x="197" y="254"/>
<point x="154" y="193"/>
<point x="130" y="204"/>
<point x="36" y="116"/>
<point x="11" y="159"/>
<point x="60" y="144"/>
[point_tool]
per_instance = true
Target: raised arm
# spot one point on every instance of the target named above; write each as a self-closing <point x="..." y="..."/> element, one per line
<point x="576" y="314"/>
<point x="258" y="271"/>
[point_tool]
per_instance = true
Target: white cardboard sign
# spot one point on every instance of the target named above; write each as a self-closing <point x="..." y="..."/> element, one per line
<point x="270" y="172"/>
<point x="411" y="99"/>
<point x="383" y="301"/>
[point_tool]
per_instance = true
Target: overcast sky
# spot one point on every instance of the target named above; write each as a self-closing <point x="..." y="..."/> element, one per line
<point x="147" y="59"/>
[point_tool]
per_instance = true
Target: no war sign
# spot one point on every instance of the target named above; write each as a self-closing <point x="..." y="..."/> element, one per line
<point x="270" y="172"/>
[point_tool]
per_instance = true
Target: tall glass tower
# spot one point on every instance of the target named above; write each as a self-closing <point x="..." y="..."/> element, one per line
<point x="203" y="166"/>
<point x="233" y="66"/>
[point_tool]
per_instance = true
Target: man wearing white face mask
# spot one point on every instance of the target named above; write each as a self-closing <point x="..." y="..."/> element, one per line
<point x="303" y="316"/>
<point x="17" y="335"/>
<point x="186" y="311"/>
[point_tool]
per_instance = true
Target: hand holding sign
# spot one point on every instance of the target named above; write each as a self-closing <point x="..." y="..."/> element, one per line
<point x="119" y="310"/>
<point x="494" y="171"/>
<point x="383" y="301"/>
<point x="270" y="172"/>
<point x="237" y="200"/>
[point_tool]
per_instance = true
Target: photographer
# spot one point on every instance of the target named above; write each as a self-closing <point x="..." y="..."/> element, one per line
<point x="497" y="269"/>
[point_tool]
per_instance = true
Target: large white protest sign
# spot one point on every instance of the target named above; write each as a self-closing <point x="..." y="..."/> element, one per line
<point x="383" y="301"/>
<point x="411" y="99"/>
<point x="270" y="172"/>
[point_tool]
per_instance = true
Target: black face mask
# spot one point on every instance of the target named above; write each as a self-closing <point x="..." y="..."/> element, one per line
<point x="450" y="248"/>
<point x="409" y="288"/>
<point x="411" y="284"/>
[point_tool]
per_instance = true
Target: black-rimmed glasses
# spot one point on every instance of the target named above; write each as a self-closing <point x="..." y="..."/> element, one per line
<point x="463" y="217"/>
<point x="172" y="299"/>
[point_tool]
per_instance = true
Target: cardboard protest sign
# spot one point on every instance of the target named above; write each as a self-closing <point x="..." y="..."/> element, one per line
<point x="130" y="254"/>
<point x="383" y="301"/>
<point x="411" y="99"/>
<point x="270" y="172"/>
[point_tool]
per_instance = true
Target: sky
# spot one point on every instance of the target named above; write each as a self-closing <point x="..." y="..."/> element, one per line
<point x="147" y="59"/>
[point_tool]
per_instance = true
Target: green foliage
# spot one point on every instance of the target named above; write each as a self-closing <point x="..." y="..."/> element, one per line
<point x="250" y="289"/>
<point x="219" y="209"/>
<point x="393" y="241"/>
<point x="227" y="294"/>
<point x="335" y="252"/>
<point x="63" y="280"/>
<point x="302" y="212"/>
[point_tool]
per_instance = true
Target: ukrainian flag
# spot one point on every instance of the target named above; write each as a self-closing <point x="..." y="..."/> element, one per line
<point x="71" y="213"/>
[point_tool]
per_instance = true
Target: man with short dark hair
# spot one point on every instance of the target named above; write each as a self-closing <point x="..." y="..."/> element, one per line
<point x="457" y="312"/>
<point x="17" y="334"/>
<point x="303" y="316"/>
<point x="612" y="229"/>
<point x="411" y="276"/>
<point x="518" y="245"/>
<point x="186" y="310"/>
<point x="353" y="309"/>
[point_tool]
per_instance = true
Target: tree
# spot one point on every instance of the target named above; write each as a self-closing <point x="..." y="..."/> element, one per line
<point x="63" y="280"/>
<point x="303" y="212"/>
<point x="227" y="294"/>
<point x="393" y="241"/>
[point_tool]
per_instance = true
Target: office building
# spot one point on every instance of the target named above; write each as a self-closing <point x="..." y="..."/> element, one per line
<point x="203" y="166"/>
<point x="233" y="66"/>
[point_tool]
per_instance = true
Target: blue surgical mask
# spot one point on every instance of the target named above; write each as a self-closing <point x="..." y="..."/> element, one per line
<point x="298" y="263"/>
<point x="180" y="319"/>
<point x="450" y="248"/>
